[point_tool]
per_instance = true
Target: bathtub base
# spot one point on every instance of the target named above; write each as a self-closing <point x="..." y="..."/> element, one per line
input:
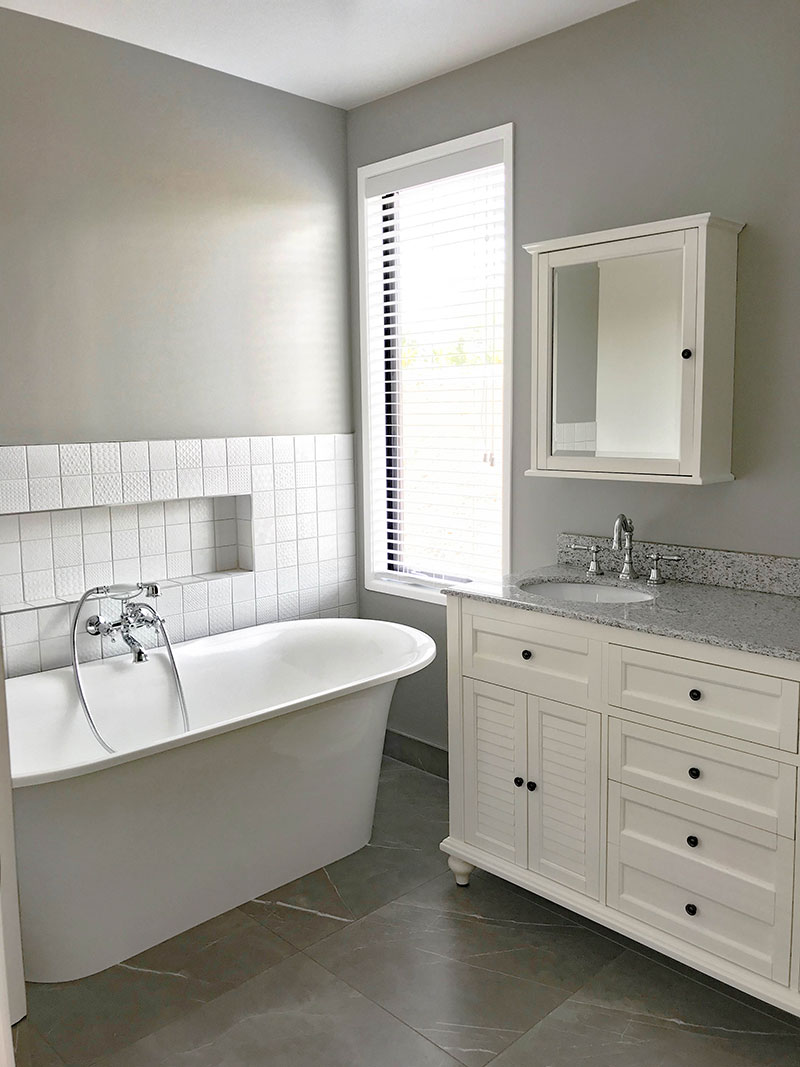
<point x="116" y="861"/>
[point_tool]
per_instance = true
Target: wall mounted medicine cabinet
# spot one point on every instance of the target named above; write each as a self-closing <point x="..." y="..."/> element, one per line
<point x="633" y="345"/>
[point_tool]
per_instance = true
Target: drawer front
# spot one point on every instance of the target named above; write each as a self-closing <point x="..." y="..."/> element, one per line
<point x="737" y="881"/>
<point x="737" y="703"/>
<point x="749" y="789"/>
<point x="534" y="660"/>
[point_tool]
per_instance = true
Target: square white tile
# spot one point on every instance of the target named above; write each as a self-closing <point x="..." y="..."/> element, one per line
<point x="189" y="454"/>
<point x="105" y="457"/>
<point x="75" y="459"/>
<point x="76" y="491"/>
<point x="135" y="456"/>
<point x="45" y="494"/>
<point x="162" y="456"/>
<point x="13" y="463"/>
<point x="43" y="461"/>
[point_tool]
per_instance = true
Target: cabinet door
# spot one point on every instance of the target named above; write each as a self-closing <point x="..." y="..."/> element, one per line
<point x="612" y="321"/>
<point x="564" y="808"/>
<point x="495" y="815"/>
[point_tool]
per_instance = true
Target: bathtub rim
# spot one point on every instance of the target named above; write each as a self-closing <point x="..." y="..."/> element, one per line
<point x="426" y="653"/>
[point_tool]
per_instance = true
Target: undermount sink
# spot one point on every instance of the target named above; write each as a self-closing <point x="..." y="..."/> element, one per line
<point x="585" y="592"/>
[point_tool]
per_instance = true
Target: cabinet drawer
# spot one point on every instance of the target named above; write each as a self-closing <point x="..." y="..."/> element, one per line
<point x="535" y="660"/>
<point x="737" y="880"/>
<point x="749" y="789"/>
<point x="754" y="707"/>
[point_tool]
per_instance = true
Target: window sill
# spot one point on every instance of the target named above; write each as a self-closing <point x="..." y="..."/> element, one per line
<point x="407" y="588"/>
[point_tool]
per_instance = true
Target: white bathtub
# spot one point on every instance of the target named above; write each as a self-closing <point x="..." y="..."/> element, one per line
<point x="276" y="778"/>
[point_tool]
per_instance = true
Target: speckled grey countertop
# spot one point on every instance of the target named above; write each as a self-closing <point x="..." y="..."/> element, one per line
<point x="764" y="623"/>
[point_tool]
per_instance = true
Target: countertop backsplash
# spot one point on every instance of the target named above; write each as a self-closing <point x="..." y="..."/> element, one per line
<point x="703" y="566"/>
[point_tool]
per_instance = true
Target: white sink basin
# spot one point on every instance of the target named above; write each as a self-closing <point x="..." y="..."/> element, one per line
<point x="585" y="592"/>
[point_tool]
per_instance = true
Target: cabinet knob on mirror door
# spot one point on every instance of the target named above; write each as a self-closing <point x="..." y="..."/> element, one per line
<point x="531" y="786"/>
<point x="519" y="781"/>
<point x="692" y="841"/>
<point x="694" y="694"/>
<point x="694" y="772"/>
<point x="527" y="654"/>
<point x="687" y="353"/>
<point x="691" y="909"/>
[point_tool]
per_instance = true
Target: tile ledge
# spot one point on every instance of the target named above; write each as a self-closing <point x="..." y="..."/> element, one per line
<point x="164" y="583"/>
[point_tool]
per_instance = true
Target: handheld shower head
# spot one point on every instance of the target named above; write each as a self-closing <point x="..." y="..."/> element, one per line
<point x="125" y="591"/>
<point x="120" y="592"/>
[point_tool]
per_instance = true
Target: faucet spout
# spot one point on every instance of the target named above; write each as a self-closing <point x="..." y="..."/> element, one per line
<point x="136" y="647"/>
<point x="623" y="538"/>
<point x="622" y="525"/>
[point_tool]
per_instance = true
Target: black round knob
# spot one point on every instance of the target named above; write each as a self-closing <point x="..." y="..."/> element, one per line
<point x="694" y="694"/>
<point x="519" y="781"/>
<point x="691" y="909"/>
<point x="527" y="654"/>
<point x="531" y="786"/>
<point x="692" y="841"/>
<point x="687" y="353"/>
<point x="694" y="772"/>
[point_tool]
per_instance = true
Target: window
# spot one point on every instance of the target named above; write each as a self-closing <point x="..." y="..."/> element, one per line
<point x="435" y="264"/>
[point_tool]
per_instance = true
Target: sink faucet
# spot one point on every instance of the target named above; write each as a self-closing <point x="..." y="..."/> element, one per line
<point x="623" y="537"/>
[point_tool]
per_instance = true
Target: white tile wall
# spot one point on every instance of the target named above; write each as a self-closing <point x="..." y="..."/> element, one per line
<point x="80" y="515"/>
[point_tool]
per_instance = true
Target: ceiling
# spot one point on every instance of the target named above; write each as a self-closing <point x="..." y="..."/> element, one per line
<point x="342" y="52"/>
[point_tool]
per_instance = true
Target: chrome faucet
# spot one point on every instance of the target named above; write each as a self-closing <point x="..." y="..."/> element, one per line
<point x="623" y="538"/>
<point x="132" y="617"/>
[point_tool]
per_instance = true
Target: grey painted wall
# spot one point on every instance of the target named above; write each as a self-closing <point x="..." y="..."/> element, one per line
<point x="658" y="109"/>
<point x="174" y="247"/>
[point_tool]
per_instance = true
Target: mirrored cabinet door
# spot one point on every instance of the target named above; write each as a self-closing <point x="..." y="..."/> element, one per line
<point x="619" y="347"/>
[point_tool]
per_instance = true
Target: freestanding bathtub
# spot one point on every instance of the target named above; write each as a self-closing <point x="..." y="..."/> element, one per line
<point x="276" y="778"/>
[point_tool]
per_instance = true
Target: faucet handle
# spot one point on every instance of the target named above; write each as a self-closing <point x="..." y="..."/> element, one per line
<point x="655" y="577"/>
<point x="593" y="570"/>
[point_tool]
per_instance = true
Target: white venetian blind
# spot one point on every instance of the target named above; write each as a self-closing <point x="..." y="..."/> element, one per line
<point x="435" y="286"/>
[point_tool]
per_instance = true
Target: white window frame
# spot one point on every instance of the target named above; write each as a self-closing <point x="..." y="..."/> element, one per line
<point x="407" y="586"/>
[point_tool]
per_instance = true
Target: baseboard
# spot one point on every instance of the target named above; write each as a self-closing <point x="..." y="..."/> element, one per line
<point x="416" y="753"/>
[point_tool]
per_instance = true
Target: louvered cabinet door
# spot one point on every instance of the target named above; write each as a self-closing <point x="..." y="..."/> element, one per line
<point x="564" y="808"/>
<point x="495" y="815"/>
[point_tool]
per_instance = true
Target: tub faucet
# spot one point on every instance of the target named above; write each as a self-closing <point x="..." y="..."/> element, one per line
<point x="623" y="537"/>
<point x="132" y="617"/>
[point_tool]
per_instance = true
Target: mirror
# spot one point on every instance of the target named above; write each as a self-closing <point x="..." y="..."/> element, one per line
<point x="616" y="387"/>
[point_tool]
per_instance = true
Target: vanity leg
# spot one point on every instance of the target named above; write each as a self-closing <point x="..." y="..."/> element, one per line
<point x="461" y="869"/>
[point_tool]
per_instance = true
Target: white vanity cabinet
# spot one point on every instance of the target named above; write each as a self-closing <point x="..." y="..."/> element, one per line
<point x="633" y="349"/>
<point x="647" y="783"/>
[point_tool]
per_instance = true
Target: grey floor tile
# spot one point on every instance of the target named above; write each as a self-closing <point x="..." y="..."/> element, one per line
<point x="86" y="1019"/>
<point x="661" y="996"/>
<point x="295" y="1015"/>
<point x="417" y="963"/>
<point x="30" y="1048"/>
<point x="583" y="1035"/>
<point x="302" y="912"/>
<point x="489" y="927"/>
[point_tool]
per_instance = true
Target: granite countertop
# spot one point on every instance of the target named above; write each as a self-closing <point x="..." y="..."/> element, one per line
<point x="764" y="623"/>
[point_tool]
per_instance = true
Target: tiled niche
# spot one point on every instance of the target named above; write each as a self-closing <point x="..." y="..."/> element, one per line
<point x="238" y="531"/>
